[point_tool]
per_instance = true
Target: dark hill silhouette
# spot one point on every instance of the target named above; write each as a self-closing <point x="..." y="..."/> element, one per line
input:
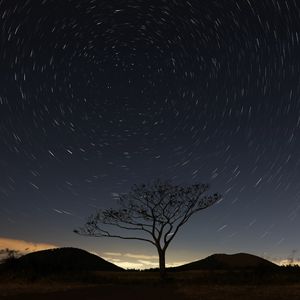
<point x="228" y="262"/>
<point x="62" y="260"/>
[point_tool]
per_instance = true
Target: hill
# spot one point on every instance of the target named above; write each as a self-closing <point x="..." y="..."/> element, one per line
<point x="62" y="260"/>
<point x="228" y="262"/>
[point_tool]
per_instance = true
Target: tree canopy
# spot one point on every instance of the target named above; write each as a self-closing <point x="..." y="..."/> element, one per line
<point x="153" y="213"/>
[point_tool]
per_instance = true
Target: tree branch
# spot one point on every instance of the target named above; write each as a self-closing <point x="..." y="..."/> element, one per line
<point x="107" y="234"/>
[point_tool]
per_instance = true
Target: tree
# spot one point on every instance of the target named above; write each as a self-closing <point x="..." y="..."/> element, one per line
<point x="151" y="213"/>
<point x="8" y="256"/>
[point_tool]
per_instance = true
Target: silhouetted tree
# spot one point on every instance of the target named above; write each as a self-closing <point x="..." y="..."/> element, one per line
<point x="8" y="256"/>
<point x="152" y="213"/>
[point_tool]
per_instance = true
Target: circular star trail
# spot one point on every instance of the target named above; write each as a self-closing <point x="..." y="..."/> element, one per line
<point x="96" y="96"/>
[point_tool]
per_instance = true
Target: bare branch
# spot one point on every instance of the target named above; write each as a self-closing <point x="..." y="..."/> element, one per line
<point x="154" y="213"/>
<point x="108" y="235"/>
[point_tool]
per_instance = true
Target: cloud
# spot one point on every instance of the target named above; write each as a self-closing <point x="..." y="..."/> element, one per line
<point x="143" y="264"/>
<point x="148" y="263"/>
<point x="137" y="261"/>
<point x="131" y="255"/>
<point x="139" y="264"/>
<point x="23" y="246"/>
<point x="141" y="256"/>
<point x="176" y="263"/>
<point x="116" y="260"/>
<point x="130" y="265"/>
<point x="112" y="253"/>
<point x="286" y="261"/>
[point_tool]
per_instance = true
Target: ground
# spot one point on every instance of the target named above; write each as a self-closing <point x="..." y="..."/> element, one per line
<point x="137" y="285"/>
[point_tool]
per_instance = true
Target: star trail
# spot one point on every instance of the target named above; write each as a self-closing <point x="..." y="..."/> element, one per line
<point x="98" y="95"/>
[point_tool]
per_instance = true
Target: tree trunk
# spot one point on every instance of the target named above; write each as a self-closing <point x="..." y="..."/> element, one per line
<point x="162" y="263"/>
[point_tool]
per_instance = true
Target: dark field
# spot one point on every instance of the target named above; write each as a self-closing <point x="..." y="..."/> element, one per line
<point x="214" y="285"/>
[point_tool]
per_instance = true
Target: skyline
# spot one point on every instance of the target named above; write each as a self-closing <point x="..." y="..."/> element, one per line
<point x="128" y="260"/>
<point x="96" y="96"/>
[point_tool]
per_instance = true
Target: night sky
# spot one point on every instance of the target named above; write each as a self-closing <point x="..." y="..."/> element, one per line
<point x="98" y="95"/>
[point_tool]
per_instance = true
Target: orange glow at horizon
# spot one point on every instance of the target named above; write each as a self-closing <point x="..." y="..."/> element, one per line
<point x="23" y="246"/>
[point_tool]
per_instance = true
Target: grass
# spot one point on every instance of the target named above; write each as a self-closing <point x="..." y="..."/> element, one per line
<point x="245" y="292"/>
<point x="203" y="285"/>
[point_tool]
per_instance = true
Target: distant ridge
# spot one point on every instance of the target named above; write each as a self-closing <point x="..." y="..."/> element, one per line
<point x="227" y="262"/>
<point x="63" y="260"/>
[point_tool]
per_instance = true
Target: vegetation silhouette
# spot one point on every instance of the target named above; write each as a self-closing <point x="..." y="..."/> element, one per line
<point x="9" y="258"/>
<point x="151" y="213"/>
<point x="69" y="273"/>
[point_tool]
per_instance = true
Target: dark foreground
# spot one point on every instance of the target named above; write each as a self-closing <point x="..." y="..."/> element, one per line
<point x="136" y="285"/>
